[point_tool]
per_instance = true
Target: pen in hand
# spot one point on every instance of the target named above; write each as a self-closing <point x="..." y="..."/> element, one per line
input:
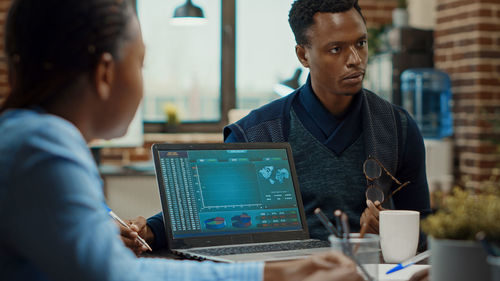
<point x="124" y="224"/>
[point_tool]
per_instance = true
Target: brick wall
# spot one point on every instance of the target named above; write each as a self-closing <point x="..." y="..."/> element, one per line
<point x="467" y="46"/>
<point x="4" y="7"/>
<point x="377" y="12"/>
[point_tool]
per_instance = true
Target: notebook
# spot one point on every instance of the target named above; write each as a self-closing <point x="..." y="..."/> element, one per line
<point x="232" y="202"/>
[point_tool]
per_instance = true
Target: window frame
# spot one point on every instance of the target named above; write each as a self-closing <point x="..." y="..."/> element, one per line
<point x="227" y="83"/>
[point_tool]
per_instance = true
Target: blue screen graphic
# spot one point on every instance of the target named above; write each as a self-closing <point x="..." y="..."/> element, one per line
<point x="215" y="192"/>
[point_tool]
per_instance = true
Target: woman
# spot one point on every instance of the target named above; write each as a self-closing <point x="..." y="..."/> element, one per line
<point x="75" y="75"/>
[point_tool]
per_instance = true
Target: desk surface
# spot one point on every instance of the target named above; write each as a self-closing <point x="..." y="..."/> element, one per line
<point x="136" y="169"/>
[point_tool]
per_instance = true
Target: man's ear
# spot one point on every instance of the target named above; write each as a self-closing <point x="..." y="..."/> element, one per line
<point x="302" y="55"/>
<point x="104" y="75"/>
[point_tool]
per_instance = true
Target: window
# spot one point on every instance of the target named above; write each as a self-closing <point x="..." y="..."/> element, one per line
<point x="207" y="70"/>
<point x="265" y="49"/>
<point x="182" y="64"/>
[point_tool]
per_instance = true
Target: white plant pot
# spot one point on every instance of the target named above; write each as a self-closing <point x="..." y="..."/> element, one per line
<point x="458" y="260"/>
<point x="399" y="17"/>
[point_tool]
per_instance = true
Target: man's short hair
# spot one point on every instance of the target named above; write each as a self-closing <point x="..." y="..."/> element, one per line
<point x="302" y="12"/>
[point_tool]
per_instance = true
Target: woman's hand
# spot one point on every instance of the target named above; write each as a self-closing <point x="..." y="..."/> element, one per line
<point x="138" y="227"/>
<point x="330" y="266"/>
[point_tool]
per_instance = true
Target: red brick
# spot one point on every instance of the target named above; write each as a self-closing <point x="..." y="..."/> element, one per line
<point x="479" y="178"/>
<point x="465" y="42"/>
<point x="471" y="41"/>
<point x="465" y="122"/>
<point x="485" y="41"/>
<point x="455" y="30"/>
<point x="488" y="27"/>
<point x="484" y="68"/>
<point x="489" y="1"/>
<point x="440" y="58"/>
<point x="480" y="163"/>
<point x="477" y="54"/>
<point x="490" y="149"/>
<point x="468" y="14"/>
<point x="471" y="68"/>
<point x="490" y="54"/>
<point x="485" y="164"/>
<point x="481" y="13"/>
<point x="444" y="45"/>
<point x="490" y="82"/>
<point x="447" y="6"/>
<point x="486" y="95"/>
<point x="441" y="20"/>
<point x="458" y="56"/>
<point x="464" y="108"/>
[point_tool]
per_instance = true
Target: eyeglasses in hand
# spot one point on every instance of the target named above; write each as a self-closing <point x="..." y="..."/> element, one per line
<point x="372" y="168"/>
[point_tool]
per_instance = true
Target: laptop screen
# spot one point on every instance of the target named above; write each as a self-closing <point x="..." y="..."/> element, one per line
<point x="212" y="192"/>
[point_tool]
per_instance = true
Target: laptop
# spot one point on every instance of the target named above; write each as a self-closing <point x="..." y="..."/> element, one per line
<point x="232" y="202"/>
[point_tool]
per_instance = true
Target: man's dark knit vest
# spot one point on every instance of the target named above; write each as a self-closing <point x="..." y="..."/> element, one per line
<point x="327" y="180"/>
<point x="384" y="133"/>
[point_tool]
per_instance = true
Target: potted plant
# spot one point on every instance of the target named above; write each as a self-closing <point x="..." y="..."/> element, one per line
<point x="400" y="14"/>
<point x="171" y="117"/>
<point x="456" y="255"/>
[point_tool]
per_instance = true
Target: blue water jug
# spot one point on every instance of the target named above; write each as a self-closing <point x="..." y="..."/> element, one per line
<point x="426" y="94"/>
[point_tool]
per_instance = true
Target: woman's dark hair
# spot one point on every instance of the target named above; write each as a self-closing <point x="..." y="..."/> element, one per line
<point x="302" y="13"/>
<point x="51" y="43"/>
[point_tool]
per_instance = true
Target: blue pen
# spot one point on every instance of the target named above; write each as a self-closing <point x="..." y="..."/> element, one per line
<point x="115" y="217"/>
<point x="410" y="261"/>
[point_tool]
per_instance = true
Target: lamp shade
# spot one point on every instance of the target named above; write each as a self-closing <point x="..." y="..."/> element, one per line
<point x="188" y="14"/>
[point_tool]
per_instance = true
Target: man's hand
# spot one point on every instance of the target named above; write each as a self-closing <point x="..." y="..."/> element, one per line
<point x="331" y="266"/>
<point x="138" y="228"/>
<point x="370" y="216"/>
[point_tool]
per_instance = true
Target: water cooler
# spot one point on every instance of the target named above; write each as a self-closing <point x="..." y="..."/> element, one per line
<point x="426" y="95"/>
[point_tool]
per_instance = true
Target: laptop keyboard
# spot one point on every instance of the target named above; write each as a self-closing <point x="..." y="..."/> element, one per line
<point x="259" y="248"/>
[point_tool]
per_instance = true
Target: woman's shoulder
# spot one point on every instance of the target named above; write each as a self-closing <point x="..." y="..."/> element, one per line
<point x="26" y="132"/>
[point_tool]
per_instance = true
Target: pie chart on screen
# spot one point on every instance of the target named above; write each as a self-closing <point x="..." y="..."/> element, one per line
<point x="215" y="223"/>
<point x="241" y="221"/>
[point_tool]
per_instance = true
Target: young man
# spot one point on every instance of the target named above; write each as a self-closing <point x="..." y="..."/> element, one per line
<point x="75" y="75"/>
<point x="334" y="125"/>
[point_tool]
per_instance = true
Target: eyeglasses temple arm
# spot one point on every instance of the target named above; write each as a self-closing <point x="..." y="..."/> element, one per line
<point x="394" y="192"/>
<point x="390" y="175"/>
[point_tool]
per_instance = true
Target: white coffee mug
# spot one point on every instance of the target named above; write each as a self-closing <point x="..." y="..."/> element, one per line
<point x="399" y="232"/>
